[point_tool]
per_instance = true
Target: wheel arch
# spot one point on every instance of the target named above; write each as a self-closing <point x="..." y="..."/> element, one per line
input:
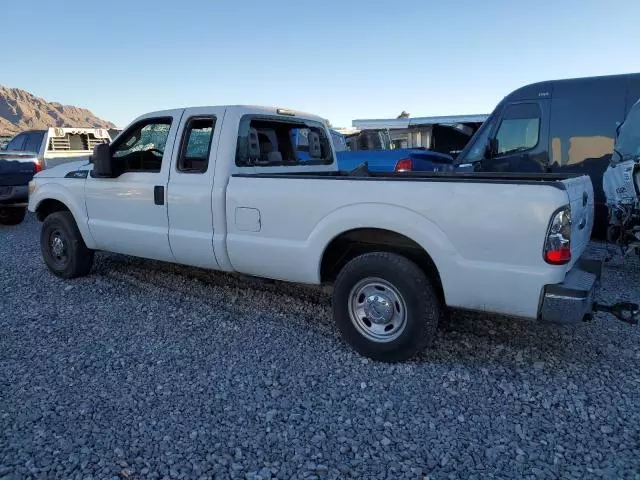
<point x="363" y="228"/>
<point x="349" y="244"/>
<point x="48" y="206"/>
<point x="52" y="198"/>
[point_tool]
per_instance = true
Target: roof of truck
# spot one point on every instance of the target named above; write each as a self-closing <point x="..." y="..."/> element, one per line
<point x="267" y="110"/>
<point x="549" y="88"/>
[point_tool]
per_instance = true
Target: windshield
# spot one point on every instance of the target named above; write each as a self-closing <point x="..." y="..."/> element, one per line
<point x="474" y="151"/>
<point x="627" y="144"/>
<point x="339" y="141"/>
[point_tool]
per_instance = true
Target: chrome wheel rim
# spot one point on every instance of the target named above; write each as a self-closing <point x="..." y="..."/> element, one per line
<point x="58" y="248"/>
<point x="377" y="310"/>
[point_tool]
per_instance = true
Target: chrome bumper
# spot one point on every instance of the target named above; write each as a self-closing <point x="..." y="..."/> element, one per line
<point x="572" y="300"/>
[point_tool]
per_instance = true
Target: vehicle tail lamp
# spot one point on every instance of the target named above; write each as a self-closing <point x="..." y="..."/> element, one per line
<point x="404" y="165"/>
<point x="557" y="248"/>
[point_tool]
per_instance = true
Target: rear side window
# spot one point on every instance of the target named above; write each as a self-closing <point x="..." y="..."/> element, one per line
<point x="269" y="142"/>
<point x="519" y="129"/>
<point x="196" y="145"/>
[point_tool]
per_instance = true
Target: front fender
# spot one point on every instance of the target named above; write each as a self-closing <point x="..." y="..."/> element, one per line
<point x="74" y="202"/>
<point x="396" y="219"/>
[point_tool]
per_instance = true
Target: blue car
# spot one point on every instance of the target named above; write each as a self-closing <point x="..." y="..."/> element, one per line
<point x="398" y="160"/>
<point x="381" y="159"/>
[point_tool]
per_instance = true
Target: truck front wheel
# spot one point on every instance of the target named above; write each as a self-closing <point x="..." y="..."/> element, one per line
<point x="12" y="215"/>
<point x="63" y="248"/>
<point x="385" y="306"/>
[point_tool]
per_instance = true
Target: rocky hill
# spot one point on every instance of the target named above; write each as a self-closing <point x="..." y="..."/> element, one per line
<point x="20" y="110"/>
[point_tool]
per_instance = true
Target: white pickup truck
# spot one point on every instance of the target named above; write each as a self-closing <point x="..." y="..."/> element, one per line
<point x="223" y="188"/>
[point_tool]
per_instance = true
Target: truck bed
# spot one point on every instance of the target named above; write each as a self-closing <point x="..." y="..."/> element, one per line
<point x="485" y="232"/>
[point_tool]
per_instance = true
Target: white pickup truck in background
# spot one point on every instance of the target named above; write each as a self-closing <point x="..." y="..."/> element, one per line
<point x="223" y="188"/>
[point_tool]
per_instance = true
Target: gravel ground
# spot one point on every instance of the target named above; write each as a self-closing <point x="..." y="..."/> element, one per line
<point x="147" y="370"/>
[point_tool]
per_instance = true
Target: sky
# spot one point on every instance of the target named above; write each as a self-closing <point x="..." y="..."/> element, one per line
<point x="340" y="59"/>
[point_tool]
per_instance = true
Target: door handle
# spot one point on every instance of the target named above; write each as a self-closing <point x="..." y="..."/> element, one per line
<point x="158" y="195"/>
<point x="582" y="224"/>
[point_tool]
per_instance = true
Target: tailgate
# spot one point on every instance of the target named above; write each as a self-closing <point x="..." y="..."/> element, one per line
<point x="580" y="192"/>
<point x="16" y="172"/>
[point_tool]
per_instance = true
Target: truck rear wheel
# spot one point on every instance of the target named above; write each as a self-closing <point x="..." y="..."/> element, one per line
<point x="12" y="215"/>
<point x="63" y="248"/>
<point x="385" y="306"/>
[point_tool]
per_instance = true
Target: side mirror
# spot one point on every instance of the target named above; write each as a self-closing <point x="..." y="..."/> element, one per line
<point x="101" y="159"/>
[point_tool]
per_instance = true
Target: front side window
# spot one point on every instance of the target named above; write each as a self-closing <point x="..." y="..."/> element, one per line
<point x="17" y="143"/>
<point x="519" y="130"/>
<point x="270" y="142"/>
<point x="196" y="145"/>
<point x="141" y="149"/>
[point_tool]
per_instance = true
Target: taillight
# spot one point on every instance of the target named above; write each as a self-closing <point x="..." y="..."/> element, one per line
<point x="38" y="166"/>
<point x="404" y="165"/>
<point x="557" y="247"/>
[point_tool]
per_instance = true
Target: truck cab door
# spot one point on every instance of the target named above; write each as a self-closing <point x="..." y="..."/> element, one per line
<point x="519" y="141"/>
<point x="128" y="213"/>
<point x="190" y="190"/>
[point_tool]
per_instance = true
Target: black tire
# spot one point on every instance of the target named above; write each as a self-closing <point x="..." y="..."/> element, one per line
<point x="417" y="299"/>
<point x="12" y="215"/>
<point x="72" y="259"/>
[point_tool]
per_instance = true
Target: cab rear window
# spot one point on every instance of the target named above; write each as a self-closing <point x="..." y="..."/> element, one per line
<point x="269" y="142"/>
<point x="73" y="142"/>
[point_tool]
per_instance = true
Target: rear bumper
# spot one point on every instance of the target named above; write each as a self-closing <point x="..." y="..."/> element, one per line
<point x="572" y="300"/>
<point x="14" y="195"/>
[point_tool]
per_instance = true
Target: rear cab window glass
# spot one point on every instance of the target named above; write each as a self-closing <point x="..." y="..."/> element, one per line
<point x="17" y="143"/>
<point x="61" y="141"/>
<point x="519" y="129"/>
<point x="34" y="142"/>
<point x="273" y="141"/>
<point x="196" y="145"/>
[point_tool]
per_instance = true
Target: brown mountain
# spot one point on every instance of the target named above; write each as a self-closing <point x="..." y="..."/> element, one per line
<point x="20" y="110"/>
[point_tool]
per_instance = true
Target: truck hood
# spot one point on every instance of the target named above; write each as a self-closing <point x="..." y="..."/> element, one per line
<point x="61" y="170"/>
